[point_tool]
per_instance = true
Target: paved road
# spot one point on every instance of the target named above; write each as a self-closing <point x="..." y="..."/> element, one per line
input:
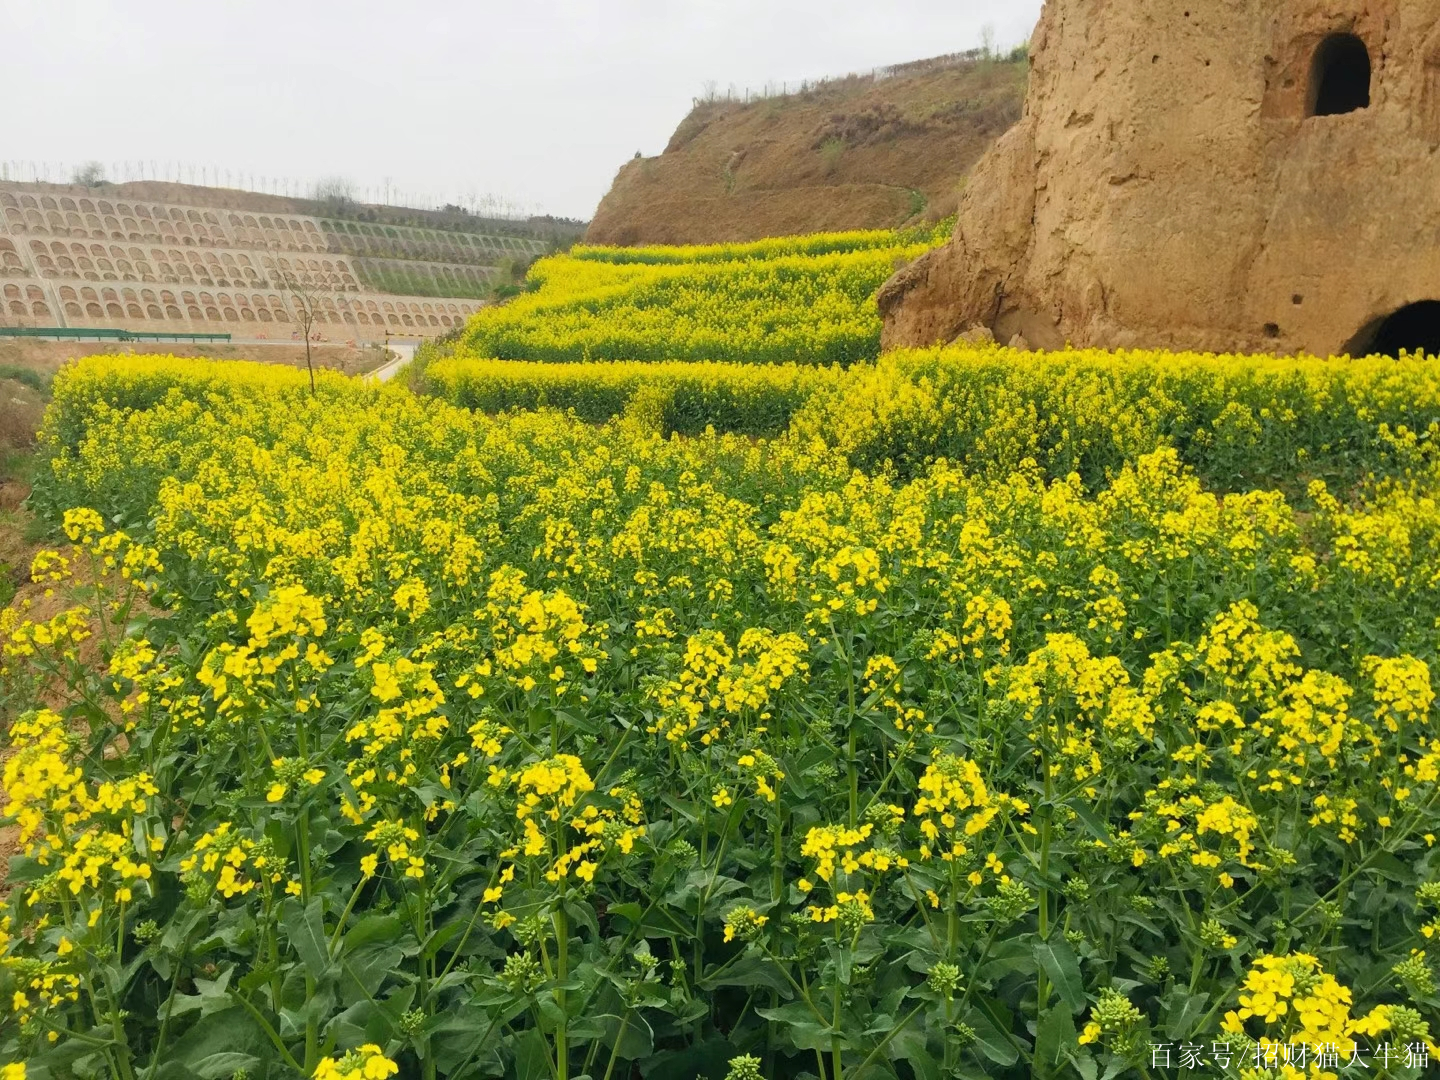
<point x="394" y="367"/>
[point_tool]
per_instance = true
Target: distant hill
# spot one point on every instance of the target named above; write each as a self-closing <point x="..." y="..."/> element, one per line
<point x="860" y="152"/>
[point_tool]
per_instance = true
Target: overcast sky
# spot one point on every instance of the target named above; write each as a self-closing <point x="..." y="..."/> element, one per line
<point x="535" y="101"/>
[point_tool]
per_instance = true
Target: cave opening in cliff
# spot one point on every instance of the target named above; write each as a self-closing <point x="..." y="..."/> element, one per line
<point x="1340" y="76"/>
<point x="1412" y="329"/>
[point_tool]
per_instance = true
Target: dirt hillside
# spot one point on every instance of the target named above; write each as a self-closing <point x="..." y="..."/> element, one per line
<point x="1230" y="178"/>
<point x="858" y="152"/>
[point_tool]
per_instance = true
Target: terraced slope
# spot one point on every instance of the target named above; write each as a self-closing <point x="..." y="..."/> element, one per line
<point x="165" y="257"/>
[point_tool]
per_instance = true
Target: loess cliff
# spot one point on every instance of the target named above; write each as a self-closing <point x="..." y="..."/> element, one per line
<point x="854" y="153"/>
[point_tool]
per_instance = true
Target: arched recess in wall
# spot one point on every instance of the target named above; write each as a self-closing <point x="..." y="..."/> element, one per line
<point x="1412" y="328"/>
<point x="1340" y="76"/>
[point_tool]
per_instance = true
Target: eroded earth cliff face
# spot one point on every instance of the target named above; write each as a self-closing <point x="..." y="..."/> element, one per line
<point x="849" y="153"/>
<point x="1175" y="181"/>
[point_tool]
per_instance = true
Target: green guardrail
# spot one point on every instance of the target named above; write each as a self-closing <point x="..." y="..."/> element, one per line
<point x="79" y="333"/>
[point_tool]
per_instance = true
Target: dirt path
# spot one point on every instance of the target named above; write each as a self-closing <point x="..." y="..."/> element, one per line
<point x="394" y="367"/>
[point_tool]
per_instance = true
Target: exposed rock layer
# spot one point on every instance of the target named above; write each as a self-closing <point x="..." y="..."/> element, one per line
<point x="1167" y="185"/>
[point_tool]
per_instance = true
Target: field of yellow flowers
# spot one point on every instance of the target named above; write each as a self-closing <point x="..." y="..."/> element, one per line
<point x="790" y="300"/>
<point x="1237" y="420"/>
<point x="381" y="737"/>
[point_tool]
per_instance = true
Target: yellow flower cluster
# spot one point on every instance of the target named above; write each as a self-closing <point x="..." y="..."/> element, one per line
<point x="828" y="845"/>
<point x="1083" y="708"/>
<point x="83" y="828"/>
<point x="534" y="635"/>
<point x="397" y="840"/>
<point x="955" y="800"/>
<point x="719" y="683"/>
<point x="242" y="677"/>
<point x="366" y="1062"/>
<point x="1294" y="1002"/>
<point x="1182" y="820"/>
<point x="1087" y="411"/>
<point x="233" y="864"/>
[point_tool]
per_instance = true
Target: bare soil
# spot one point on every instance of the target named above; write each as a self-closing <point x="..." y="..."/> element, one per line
<point x="851" y="154"/>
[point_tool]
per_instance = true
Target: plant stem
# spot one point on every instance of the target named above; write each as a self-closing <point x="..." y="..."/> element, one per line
<point x="340" y="926"/>
<point x="1042" y="981"/>
<point x="562" y="948"/>
<point x="169" y="1006"/>
<point x="859" y="1073"/>
<point x="270" y="1033"/>
<point x="615" y="1050"/>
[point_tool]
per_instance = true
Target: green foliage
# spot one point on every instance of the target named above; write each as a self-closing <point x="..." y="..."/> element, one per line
<point x="459" y="746"/>
<point x="684" y="398"/>
<point x="38" y="381"/>
<point x="1236" y="421"/>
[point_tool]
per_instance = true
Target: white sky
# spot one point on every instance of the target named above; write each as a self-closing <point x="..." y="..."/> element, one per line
<point x="535" y="101"/>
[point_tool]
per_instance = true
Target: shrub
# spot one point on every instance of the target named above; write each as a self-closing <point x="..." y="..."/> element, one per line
<point x="748" y="399"/>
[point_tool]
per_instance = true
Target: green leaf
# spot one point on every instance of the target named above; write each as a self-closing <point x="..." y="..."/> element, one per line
<point x="800" y="1026"/>
<point x="67" y="1051"/>
<point x="459" y="1036"/>
<point x="212" y="1036"/>
<point x="629" y="911"/>
<point x="305" y="930"/>
<point x="365" y="970"/>
<point x="655" y="922"/>
<point x="911" y="1045"/>
<point x="1058" y="960"/>
<point x="440" y="937"/>
<point x="1182" y="1011"/>
<point x="1055" y="1036"/>
<point x="1092" y="821"/>
<point x="707" y="1060"/>
<point x="258" y="976"/>
<point x="582" y="915"/>
<point x="990" y="1040"/>
<point x="634" y="1036"/>
<point x="1009" y="957"/>
<point x="532" y="1056"/>
<point x="373" y="928"/>
<point x="214" y="996"/>
<point x="748" y="971"/>
<point x="223" y="1065"/>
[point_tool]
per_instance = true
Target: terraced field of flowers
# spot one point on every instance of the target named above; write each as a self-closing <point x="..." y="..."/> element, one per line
<point x="375" y="736"/>
<point x="801" y="300"/>
<point x="1237" y="420"/>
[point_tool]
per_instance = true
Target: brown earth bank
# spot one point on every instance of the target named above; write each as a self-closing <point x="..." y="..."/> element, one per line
<point x="851" y="153"/>
<point x="1235" y="176"/>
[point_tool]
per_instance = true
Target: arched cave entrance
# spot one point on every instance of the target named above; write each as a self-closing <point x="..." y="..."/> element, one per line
<point x="1340" y="76"/>
<point x="1414" y="328"/>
